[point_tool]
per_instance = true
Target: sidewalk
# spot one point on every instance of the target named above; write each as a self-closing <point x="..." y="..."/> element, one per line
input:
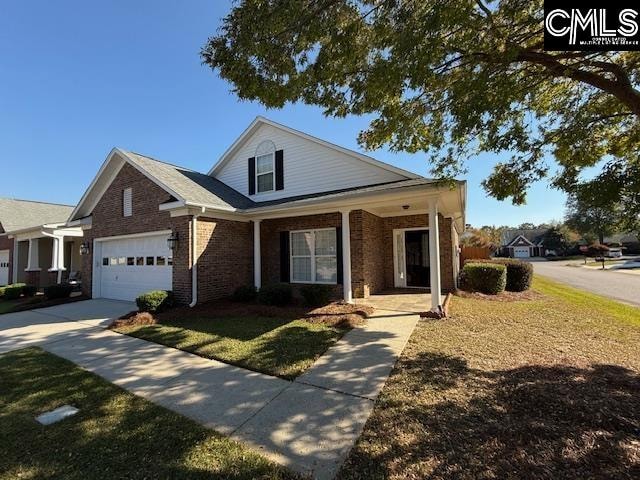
<point x="309" y="424"/>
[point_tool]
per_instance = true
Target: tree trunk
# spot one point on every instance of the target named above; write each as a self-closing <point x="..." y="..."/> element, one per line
<point x="601" y="238"/>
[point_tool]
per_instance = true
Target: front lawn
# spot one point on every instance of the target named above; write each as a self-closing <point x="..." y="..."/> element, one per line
<point x="115" y="434"/>
<point x="37" y="301"/>
<point x="547" y="387"/>
<point x="280" y="344"/>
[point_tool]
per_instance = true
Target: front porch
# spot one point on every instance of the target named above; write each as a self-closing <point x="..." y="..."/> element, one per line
<point x="365" y="250"/>
<point x="398" y="300"/>
<point x="46" y="255"/>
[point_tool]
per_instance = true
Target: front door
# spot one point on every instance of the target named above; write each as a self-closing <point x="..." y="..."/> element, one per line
<point x="416" y="247"/>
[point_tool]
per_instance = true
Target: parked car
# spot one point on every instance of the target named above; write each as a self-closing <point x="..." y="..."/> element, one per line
<point x="614" y="252"/>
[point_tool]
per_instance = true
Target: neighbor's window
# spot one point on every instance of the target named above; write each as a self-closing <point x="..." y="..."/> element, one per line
<point x="127" y="202"/>
<point x="265" y="173"/>
<point x="314" y="256"/>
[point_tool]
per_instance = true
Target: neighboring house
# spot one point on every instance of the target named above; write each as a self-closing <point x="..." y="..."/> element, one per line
<point x="34" y="241"/>
<point x="630" y="242"/>
<point x="523" y="243"/>
<point x="279" y="206"/>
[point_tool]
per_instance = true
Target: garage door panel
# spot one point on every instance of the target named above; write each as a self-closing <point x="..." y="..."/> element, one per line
<point x="131" y="266"/>
<point x="4" y="267"/>
<point x="521" y="252"/>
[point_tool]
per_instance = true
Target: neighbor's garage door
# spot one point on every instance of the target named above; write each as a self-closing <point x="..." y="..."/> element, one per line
<point x="521" y="252"/>
<point x="4" y="267"/>
<point x="131" y="266"/>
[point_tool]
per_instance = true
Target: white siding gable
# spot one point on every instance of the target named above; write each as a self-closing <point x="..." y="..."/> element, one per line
<point x="309" y="167"/>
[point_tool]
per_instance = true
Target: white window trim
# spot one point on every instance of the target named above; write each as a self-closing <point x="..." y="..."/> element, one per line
<point x="272" y="171"/>
<point x="312" y="256"/>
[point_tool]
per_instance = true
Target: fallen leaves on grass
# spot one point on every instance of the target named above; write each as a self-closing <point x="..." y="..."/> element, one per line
<point x="502" y="296"/>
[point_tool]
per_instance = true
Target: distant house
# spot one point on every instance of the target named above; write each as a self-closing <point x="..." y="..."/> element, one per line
<point x="629" y="241"/>
<point x="523" y="243"/>
<point x="33" y="242"/>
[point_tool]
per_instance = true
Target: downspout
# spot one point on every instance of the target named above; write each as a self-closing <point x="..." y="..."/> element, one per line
<point x="194" y="261"/>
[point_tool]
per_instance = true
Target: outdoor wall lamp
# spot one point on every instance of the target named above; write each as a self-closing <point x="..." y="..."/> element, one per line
<point x="84" y="248"/>
<point x="172" y="241"/>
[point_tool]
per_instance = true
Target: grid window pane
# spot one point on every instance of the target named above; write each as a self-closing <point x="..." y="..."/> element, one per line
<point x="326" y="269"/>
<point x="113" y="261"/>
<point x="160" y="261"/>
<point x="264" y="163"/>
<point x="149" y="260"/>
<point x="139" y="261"/>
<point x="301" y="271"/>
<point x="301" y="243"/>
<point x="326" y="242"/>
<point x="105" y="261"/>
<point x="130" y="261"/>
<point x="265" y="182"/>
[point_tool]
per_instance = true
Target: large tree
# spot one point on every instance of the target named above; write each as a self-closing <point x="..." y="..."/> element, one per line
<point x="591" y="213"/>
<point x="451" y="78"/>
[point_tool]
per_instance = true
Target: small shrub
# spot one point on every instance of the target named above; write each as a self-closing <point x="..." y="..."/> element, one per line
<point x="29" y="290"/>
<point x="244" y="293"/>
<point x="2" y="289"/>
<point x="62" y="290"/>
<point x="155" y="301"/>
<point x="316" y="295"/>
<point x="519" y="273"/>
<point x="13" y="292"/>
<point x="489" y="278"/>
<point x="278" y="294"/>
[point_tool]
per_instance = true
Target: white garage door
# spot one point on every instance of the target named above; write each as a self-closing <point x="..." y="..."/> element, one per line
<point x="521" y="252"/>
<point x="4" y="267"/>
<point x="131" y="266"/>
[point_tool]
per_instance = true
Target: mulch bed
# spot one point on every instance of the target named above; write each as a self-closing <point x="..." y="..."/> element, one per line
<point x="501" y="297"/>
<point x="34" y="303"/>
<point x="334" y="314"/>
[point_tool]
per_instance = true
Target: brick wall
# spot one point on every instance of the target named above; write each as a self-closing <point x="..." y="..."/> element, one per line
<point x="108" y="221"/>
<point x="414" y="221"/>
<point x="367" y="267"/>
<point x="270" y="241"/>
<point x="226" y="257"/>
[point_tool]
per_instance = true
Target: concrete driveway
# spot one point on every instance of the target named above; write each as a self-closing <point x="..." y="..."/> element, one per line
<point x="609" y="283"/>
<point x="309" y="424"/>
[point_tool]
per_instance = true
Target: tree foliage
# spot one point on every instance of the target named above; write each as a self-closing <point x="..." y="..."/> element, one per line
<point x="591" y="212"/>
<point x="452" y="78"/>
<point x="487" y="236"/>
<point x="554" y="239"/>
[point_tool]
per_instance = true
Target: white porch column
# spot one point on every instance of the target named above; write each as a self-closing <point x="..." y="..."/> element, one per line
<point x="257" y="264"/>
<point x="57" y="257"/>
<point x="434" y="256"/>
<point x="33" y="261"/>
<point x="346" y="256"/>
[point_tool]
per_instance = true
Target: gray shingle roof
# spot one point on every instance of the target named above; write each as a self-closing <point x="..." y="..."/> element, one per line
<point x="199" y="188"/>
<point x="22" y="214"/>
<point x="194" y="187"/>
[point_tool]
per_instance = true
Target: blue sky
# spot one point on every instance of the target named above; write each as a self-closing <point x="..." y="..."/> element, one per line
<point x="78" y="78"/>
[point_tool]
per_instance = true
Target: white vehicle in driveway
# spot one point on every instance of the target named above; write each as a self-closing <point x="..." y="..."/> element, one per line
<point x="614" y="252"/>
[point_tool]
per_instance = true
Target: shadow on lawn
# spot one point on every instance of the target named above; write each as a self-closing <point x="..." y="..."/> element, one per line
<point x="115" y="434"/>
<point x="530" y="422"/>
<point x="275" y="347"/>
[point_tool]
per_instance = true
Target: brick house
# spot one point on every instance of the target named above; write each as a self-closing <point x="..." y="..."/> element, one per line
<point x="279" y="206"/>
<point x="35" y="245"/>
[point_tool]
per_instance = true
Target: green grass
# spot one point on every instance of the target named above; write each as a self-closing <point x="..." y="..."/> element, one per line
<point x="115" y="434"/>
<point x="6" y="306"/>
<point x="546" y="387"/>
<point x="274" y="346"/>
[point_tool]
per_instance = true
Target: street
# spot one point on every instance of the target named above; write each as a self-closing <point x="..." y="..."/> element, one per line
<point x="620" y="286"/>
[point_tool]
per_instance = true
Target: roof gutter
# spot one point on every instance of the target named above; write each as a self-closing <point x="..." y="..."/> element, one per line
<point x="194" y="260"/>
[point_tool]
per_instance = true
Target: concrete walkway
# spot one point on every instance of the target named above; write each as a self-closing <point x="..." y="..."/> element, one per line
<point x="309" y="424"/>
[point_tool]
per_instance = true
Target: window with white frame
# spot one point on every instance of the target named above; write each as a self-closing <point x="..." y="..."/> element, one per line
<point x="314" y="256"/>
<point x="265" y="173"/>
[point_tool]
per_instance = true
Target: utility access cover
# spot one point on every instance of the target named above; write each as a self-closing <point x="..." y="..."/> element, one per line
<point x="56" y="415"/>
